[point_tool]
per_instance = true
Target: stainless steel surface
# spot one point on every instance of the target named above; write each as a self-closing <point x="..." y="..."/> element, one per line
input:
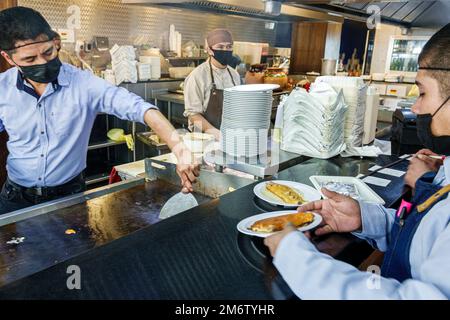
<point x="210" y="183"/>
<point x="53" y="206"/>
<point x="249" y="8"/>
<point x="121" y="23"/>
<point x="263" y="166"/>
<point x="105" y="144"/>
<point x="408" y="13"/>
<point x="145" y="138"/>
<point x="97" y="178"/>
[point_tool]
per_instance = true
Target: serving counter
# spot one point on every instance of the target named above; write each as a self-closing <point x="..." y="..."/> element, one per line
<point x="125" y="252"/>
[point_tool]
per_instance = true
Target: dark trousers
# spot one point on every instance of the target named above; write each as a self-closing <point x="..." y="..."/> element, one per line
<point x="14" y="197"/>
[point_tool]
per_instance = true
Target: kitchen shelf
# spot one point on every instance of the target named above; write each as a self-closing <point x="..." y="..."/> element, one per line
<point x="105" y="144"/>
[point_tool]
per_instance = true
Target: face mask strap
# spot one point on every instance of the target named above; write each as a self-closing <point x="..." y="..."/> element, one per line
<point x="441" y="106"/>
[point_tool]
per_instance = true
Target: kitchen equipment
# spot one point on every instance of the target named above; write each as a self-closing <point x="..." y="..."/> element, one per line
<point x="177" y="204"/>
<point x="404" y="138"/>
<point x="328" y="67"/>
<point x="210" y="183"/>
<point x="245" y="224"/>
<point x="276" y="76"/>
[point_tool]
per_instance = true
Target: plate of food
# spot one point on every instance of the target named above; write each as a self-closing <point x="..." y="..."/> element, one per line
<point x="286" y="193"/>
<point x="265" y="224"/>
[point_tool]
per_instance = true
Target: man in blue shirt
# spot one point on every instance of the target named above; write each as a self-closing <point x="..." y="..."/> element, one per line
<point x="48" y="109"/>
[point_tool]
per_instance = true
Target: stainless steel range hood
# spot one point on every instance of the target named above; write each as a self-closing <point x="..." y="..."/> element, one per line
<point x="425" y="13"/>
<point x="251" y="8"/>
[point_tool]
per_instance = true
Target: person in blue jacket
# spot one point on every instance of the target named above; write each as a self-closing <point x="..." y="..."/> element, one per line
<point x="416" y="242"/>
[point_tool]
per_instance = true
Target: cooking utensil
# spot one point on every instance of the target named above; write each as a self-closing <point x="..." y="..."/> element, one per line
<point x="177" y="204"/>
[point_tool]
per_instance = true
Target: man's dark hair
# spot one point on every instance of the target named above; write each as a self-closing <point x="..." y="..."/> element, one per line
<point x="436" y="55"/>
<point x="20" y="24"/>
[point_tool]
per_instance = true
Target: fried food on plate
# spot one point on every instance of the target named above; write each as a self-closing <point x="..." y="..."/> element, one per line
<point x="285" y="193"/>
<point x="274" y="224"/>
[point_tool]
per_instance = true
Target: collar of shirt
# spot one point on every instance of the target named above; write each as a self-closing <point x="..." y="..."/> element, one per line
<point x="62" y="81"/>
<point x="217" y="69"/>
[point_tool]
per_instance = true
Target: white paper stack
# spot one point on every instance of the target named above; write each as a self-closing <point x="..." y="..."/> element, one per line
<point x="155" y="62"/>
<point x="123" y="60"/>
<point x="355" y="93"/>
<point x="313" y="123"/>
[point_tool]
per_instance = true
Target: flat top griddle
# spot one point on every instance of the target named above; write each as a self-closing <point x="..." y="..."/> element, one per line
<point x="198" y="254"/>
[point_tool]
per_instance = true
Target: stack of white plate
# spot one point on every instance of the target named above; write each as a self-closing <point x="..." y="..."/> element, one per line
<point x="246" y="119"/>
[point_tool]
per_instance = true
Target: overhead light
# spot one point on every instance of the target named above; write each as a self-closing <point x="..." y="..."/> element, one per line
<point x="272" y="7"/>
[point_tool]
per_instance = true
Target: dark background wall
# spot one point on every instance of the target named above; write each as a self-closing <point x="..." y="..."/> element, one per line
<point x="353" y="36"/>
<point x="283" y="36"/>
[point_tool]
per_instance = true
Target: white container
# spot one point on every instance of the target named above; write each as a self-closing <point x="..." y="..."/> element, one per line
<point x="371" y="116"/>
<point x="155" y="62"/>
<point x="144" y="71"/>
<point x="365" y="192"/>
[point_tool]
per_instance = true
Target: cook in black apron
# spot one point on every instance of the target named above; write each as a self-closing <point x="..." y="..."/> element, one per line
<point x="213" y="113"/>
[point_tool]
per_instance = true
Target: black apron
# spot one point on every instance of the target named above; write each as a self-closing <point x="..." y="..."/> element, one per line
<point x="213" y="113"/>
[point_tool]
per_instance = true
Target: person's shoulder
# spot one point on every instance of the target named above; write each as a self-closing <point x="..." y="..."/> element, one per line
<point x="75" y="72"/>
<point x="234" y="72"/>
<point x="198" y="73"/>
<point x="8" y="76"/>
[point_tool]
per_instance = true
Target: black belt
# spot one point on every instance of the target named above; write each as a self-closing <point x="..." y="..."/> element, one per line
<point x="48" y="192"/>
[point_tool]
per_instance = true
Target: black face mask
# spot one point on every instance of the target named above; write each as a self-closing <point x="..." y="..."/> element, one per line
<point x="224" y="57"/>
<point x="42" y="73"/>
<point x="441" y="144"/>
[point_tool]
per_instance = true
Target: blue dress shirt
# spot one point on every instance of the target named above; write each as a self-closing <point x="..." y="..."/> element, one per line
<point x="49" y="135"/>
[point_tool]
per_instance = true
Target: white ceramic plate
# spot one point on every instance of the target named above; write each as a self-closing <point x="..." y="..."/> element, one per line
<point x="244" y="225"/>
<point x="254" y="87"/>
<point x="307" y="192"/>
